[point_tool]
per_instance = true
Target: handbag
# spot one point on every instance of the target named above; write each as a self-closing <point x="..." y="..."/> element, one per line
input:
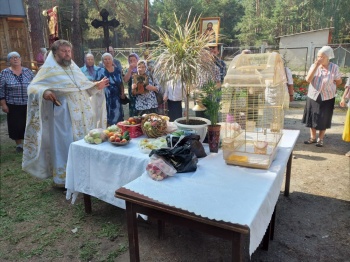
<point x="124" y="101"/>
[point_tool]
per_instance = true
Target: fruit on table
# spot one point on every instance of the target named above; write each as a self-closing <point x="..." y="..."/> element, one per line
<point x="122" y="137"/>
<point x="113" y="128"/>
<point x="95" y="136"/>
<point x="131" y="121"/>
<point x="148" y="144"/>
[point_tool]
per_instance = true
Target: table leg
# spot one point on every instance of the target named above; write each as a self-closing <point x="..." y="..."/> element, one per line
<point x="266" y="238"/>
<point x="237" y="246"/>
<point x="87" y="203"/>
<point x="132" y="232"/>
<point x="288" y="174"/>
<point x="161" y="226"/>
<point x="273" y="222"/>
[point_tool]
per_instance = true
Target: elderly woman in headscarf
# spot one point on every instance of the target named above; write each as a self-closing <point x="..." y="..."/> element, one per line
<point x="14" y="81"/>
<point x="98" y="101"/>
<point x="133" y="58"/>
<point x="323" y="76"/>
<point x="114" y="92"/>
<point x="146" y="103"/>
<point x="89" y="69"/>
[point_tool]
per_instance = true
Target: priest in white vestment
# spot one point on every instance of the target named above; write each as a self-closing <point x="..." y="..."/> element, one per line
<point x="59" y="112"/>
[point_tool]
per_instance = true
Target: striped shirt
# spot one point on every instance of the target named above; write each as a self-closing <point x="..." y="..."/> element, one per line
<point x="205" y="77"/>
<point x="13" y="88"/>
<point x="323" y="82"/>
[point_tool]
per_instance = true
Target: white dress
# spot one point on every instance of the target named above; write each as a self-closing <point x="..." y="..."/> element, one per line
<point x="51" y="129"/>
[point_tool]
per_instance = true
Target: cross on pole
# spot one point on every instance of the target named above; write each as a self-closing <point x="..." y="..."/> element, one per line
<point x="105" y="23"/>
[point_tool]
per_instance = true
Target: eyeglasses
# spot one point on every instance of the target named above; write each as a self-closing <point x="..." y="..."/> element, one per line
<point x="15" y="57"/>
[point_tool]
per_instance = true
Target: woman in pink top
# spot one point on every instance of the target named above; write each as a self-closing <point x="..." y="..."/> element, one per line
<point x="323" y="77"/>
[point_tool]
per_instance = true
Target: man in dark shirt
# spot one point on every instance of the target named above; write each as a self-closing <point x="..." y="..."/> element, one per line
<point x="220" y="63"/>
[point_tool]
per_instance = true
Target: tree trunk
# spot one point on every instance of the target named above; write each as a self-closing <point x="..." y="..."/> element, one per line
<point x="78" y="52"/>
<point x="35" y="24"/>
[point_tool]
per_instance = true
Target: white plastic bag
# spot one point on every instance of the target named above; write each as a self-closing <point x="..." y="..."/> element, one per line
<point x="158" y="168"/>
<point x="95" y="136"/>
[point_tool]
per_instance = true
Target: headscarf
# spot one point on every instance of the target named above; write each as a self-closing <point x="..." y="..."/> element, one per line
<point x="11" y="54"/>
<point x="134" y="70"/>
<point x="142" y="62"/>
<point x="328" y="51"/>
<point x="90" y="69"/>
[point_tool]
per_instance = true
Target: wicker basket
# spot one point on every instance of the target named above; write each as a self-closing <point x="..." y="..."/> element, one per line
<point x="157" y="125"/>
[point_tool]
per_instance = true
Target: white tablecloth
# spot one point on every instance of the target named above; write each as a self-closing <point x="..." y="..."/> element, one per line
<point x="98" y="170"/>
<point x="225" y="193"/>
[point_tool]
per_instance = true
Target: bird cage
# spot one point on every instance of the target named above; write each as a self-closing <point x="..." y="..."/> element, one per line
<point x="252" y="109"/>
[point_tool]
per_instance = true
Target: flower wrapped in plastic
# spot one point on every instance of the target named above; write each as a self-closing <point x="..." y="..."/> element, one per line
<point x="158" y="168"/>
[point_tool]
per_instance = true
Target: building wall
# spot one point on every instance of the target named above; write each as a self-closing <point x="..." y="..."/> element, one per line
<point x="300" y="49"/>
<point x="14" y="37"/>
<point x="4" y="41"/>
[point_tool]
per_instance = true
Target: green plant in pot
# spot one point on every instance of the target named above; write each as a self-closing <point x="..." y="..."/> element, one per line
<point x="181" y="54"/>
<point x="210" y="97"/>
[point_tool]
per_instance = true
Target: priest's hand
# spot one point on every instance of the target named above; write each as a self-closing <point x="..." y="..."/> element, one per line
<point x="49" y="95"/>
<point x="103" y="83"/>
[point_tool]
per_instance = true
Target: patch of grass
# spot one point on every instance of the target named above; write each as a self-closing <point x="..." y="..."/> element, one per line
<point x="36" y="219"/>
<point x="109" y="230"/>
<point x="87" y="250"/>
<point x="115" y="254"/>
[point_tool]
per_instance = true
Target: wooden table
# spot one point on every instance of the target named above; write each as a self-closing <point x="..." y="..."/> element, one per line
<point x="136" y="203"/>
<point x="145" y="196"/>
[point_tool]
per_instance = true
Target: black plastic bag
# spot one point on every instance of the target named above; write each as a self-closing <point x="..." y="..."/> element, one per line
<point x="192" y="141"/>
<point x="182" y="158"/>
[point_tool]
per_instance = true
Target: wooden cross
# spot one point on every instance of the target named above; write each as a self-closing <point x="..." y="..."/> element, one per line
<point x="105" y="24"/>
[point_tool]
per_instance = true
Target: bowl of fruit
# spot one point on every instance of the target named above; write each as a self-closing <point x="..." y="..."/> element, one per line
<point x="133" y="125"/>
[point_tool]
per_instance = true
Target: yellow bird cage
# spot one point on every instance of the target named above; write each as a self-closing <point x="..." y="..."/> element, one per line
<point x="252" y="109"/>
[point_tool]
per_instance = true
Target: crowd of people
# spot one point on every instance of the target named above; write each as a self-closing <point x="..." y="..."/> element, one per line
<point x="65" y="101"/>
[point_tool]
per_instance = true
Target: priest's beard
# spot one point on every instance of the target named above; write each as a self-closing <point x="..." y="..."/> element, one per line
<point x="64" y="62"/>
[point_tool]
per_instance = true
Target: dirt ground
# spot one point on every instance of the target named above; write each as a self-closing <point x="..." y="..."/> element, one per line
<point x="312" y="224"/>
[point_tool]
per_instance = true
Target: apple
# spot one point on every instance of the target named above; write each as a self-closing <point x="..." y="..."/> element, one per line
<point x="112" y="139"/>
<point x="147" y="124"/>
<point x="98" y="141"/>
<point x="117" y="139"/>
